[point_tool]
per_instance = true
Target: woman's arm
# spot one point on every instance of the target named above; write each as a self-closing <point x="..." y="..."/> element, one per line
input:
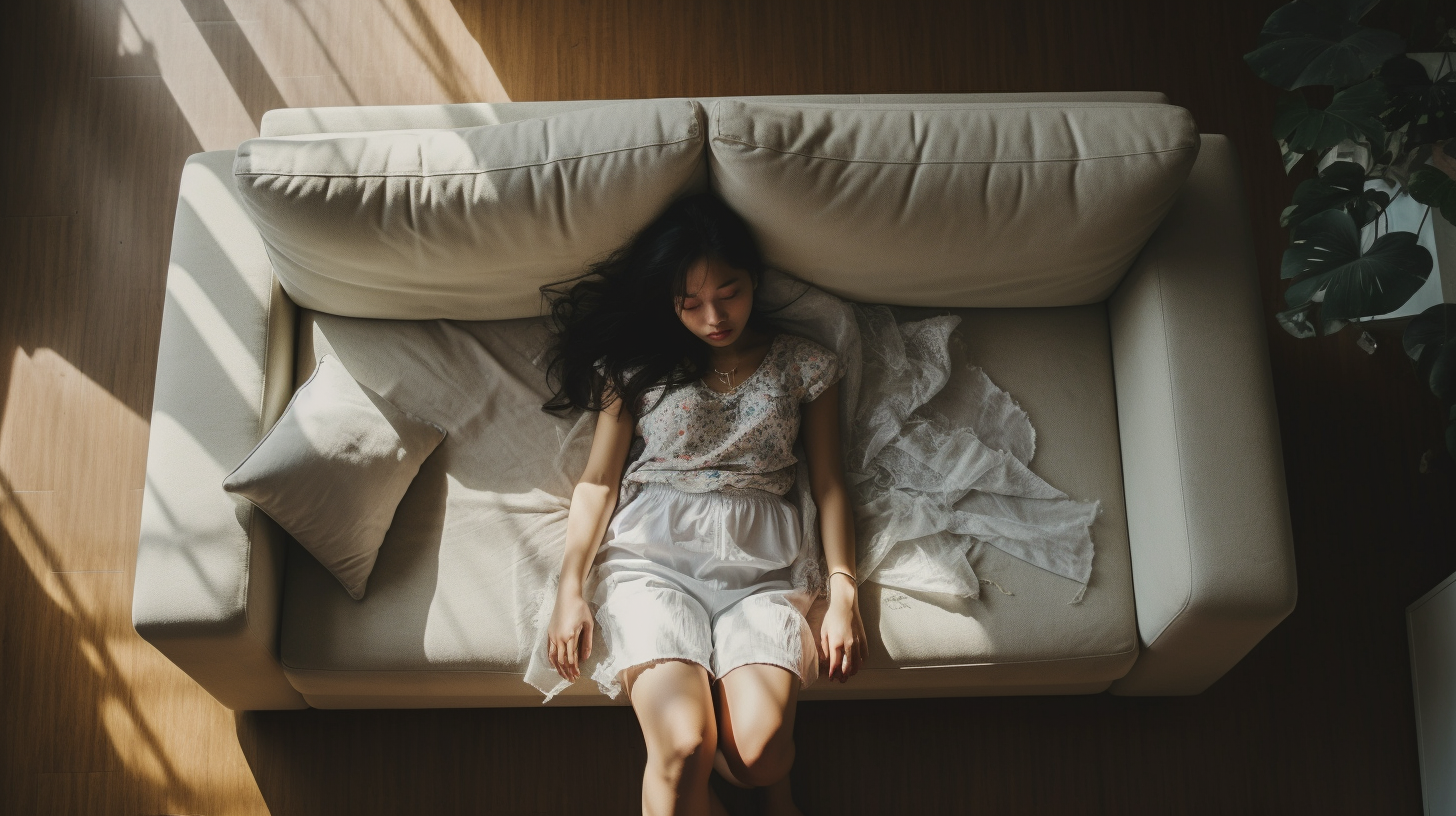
<point x="841" y="634"/>
<point x="592" y="502"/>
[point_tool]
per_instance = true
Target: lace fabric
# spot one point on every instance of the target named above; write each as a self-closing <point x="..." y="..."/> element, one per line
<point x="936" y="455"/>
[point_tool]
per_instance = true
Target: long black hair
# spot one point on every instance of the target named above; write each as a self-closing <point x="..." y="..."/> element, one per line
<point x="616" y="326"/>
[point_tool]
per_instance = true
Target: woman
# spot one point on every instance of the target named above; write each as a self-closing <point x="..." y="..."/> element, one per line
<point x="693" y="594"/>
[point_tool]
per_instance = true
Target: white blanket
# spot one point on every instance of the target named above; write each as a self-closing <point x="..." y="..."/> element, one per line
<point x="936" y="458"/>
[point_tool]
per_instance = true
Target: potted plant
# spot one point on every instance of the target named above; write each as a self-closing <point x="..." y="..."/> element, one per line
<point x="1389" y="131"/>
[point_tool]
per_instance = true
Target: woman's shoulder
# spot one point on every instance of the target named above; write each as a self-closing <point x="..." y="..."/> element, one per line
<point x="801" y="349"/>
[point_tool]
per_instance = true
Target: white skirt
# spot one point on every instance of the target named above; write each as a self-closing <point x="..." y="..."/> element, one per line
<point x="701" y="577"/>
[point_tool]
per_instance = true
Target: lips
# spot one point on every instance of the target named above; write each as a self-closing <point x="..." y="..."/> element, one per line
<point x="720" y="335"/>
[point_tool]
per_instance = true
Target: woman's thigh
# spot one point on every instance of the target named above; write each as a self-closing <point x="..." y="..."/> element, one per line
<point x="756" y="705"/>
<point x="674" y="705"/>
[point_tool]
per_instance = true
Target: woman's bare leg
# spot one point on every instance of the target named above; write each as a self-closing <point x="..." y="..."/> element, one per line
<point x="756" y="706"/>
<point x="674" y="705"/>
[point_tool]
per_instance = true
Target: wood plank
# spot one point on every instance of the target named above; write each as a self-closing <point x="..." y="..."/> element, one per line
<point x="44" y="64"/>
<point x="84" y="794"/>
<point x="60" y="675"/>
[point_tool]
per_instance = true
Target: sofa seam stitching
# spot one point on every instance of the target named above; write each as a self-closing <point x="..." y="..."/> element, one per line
<point x="262" y="407"/>
<point x="1133" y="650"/>
<point x="740" y="141"/>
<point x="912" y="106"/>
<point x="525" y="166"/>
<point x="1178" y="457"/>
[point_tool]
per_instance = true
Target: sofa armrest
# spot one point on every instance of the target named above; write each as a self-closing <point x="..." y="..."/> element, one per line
<point x="1208" y="516"/>
<point x="209" y="564"/>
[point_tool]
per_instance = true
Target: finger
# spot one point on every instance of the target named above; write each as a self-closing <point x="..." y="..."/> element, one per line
<point x="586" y="641"/>
<point x="551" y="657"/>
<point x="836" y="662"/>
<point x="571" y="652"/>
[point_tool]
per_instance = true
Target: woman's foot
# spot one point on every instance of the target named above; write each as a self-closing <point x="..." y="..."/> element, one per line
<point x="778" y="799"/>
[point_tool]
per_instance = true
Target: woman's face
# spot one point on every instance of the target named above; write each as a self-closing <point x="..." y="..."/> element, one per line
<point x="717" y="301"/>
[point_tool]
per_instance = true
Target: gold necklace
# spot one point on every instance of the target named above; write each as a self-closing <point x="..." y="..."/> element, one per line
<point x="726" y="377"/>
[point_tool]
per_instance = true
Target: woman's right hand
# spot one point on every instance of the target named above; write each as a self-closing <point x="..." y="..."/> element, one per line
<point x="569" y="636"/>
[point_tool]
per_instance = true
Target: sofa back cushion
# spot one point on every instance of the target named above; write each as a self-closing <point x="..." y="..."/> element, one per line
<point x="965" y="205"/>
<point x="464" y="223"/>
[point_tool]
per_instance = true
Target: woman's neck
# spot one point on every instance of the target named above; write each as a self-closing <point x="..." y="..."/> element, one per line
<point x="740" y="349"/>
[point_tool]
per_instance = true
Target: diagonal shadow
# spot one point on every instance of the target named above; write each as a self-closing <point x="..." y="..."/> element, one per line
<point x="239" y="61"/>
<point x="88" y="661"/>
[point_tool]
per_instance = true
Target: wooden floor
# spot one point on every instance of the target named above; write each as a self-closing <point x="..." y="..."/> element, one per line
<point x="103" y="99"/>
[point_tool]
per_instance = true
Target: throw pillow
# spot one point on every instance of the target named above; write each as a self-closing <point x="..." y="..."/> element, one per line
<point x="333" y="469"/>
<point x="464" y="224"/>
<point x="985" y="205"/>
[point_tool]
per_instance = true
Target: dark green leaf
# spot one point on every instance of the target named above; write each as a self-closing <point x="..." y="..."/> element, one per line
<point x="1432" y="328"/>
<point x="1352" y="114"/>
<point x="1429" y="108"/>
<point x="1340" y="185"/>
<point x="1320" y="43"/>
<point x="1430" y="186"/>
<point x="1320" y="244"/>
<point x="1289" y="156"/>
<point x="1442" y="378"/>
<point x="1327" y="267"/>
<point x="1379" y="281"/>
<point x="1430" y="341"/>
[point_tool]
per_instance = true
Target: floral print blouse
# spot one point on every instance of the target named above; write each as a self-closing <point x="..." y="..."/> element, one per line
<point x="698" y="440"/>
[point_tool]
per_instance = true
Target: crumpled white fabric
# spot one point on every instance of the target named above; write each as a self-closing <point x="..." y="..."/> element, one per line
<point x="936" y="456"/>
<point x="936" y="459"/>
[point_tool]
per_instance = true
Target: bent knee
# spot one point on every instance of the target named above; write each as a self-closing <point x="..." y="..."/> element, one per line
<point x="762" y="761"/>
<point x="685" y="744"/>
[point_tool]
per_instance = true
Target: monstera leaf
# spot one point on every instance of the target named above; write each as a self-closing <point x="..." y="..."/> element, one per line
<point x="1327" y="267"/>
<point x="1341" y="185"/>
<point x="1430" y="186"/>
<point x="1353" y="114"/>
<point x="1320" y="42"/>
<point x="1428" y="107"/>
<point x="1430" y="341"/>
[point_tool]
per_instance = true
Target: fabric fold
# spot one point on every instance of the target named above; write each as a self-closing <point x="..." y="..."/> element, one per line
<point x="937" y="457"/>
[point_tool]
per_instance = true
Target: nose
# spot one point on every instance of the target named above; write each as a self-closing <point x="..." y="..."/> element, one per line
<point x="716" y="314"/>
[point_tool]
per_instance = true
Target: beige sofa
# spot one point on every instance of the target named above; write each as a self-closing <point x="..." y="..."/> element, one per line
<point x="1145" y="374"/>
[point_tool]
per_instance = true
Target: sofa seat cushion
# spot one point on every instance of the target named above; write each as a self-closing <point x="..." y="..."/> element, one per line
<point x="439" y="624"/>
<point x="464" y="223"/>
<point x="990" y="204"/>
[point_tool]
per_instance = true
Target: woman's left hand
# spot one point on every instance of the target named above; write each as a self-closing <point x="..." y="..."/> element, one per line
<point x="842" y="634"/>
